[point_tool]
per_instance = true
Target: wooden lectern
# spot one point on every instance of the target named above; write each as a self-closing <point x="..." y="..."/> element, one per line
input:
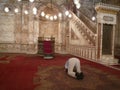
<point x="46" y="47"/>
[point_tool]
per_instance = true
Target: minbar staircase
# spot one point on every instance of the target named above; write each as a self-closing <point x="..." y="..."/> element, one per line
<point x="88" y="50"/>
<point x="86" y="44"/>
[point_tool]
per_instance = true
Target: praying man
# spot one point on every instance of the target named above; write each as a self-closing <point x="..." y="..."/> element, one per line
<point x="73" y="68"/>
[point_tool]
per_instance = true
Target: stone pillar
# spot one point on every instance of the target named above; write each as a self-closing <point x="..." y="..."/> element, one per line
<point x="33" y="30"/>
<point x="106" y="21"/>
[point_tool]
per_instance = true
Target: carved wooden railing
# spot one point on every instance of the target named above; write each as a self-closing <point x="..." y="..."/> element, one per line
<point x="87" y="52"/>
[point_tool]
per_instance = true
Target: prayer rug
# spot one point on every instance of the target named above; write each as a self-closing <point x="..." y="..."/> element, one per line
<point x="55" y="78"/>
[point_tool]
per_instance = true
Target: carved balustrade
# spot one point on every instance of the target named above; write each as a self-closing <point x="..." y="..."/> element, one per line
<point x="87" y="52"/>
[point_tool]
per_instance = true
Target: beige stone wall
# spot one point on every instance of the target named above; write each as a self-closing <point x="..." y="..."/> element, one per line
<point x="56" y="29"/>
<point x="48" y="29"/>
<point x="7" y="28"/>
<point x="20" y="34"/>
<point x="17" y="34"/>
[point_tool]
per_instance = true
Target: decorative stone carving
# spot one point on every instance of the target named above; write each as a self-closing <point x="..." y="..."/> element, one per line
<point x="106" y="19"/>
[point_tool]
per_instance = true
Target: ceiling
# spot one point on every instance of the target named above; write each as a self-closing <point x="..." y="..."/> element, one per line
<point x="87" y="6"/>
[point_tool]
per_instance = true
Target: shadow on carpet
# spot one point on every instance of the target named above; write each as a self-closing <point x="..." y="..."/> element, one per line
<point x="55" y="78"/>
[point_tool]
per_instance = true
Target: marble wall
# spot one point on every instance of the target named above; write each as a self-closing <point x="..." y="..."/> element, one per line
<point x="7" y="28"/>
<point x="17" y="34"/>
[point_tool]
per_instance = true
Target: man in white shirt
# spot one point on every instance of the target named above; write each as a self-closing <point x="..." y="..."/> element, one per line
<point x="73" y="68"/>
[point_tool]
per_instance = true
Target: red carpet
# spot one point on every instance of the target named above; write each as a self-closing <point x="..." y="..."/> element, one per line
<point x="19" y="73"/>
<point x="102" y="67"/>
<point x="3" y="57"/>
<point x="116" y="66"/>
<point x="55" y="78"/>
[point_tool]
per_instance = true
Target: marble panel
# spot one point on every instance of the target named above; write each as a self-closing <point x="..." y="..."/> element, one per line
<point x="6" y="28"/>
